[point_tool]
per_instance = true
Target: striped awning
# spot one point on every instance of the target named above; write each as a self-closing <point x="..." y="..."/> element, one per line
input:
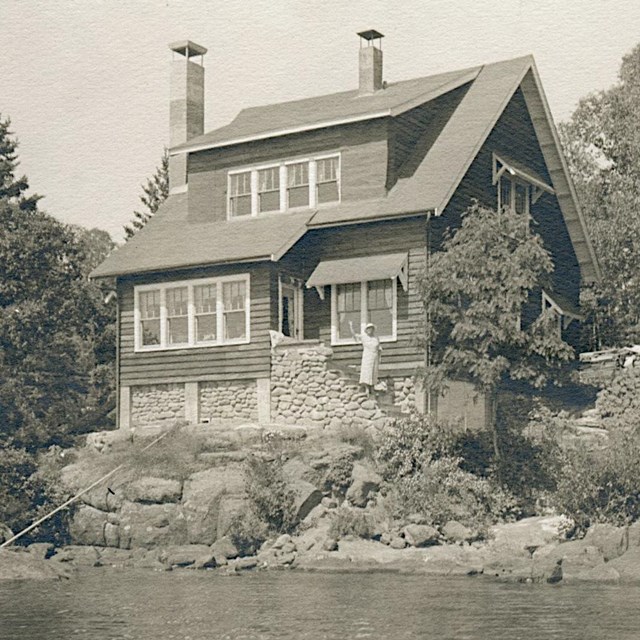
<point x="378" y="267"/>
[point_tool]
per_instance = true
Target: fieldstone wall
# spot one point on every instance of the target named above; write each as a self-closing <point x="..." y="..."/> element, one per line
<point x="152" y="403"/>
<point x="232" y="399"/>
<point x="307" y="390"/>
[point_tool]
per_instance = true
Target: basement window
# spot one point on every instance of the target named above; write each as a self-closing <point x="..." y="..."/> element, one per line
<point x="284" y="186"/>
<point x="195" y="313"/>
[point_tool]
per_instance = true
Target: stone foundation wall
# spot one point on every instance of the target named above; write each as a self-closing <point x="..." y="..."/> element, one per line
<point x="151" y="403"/>
<point x="233" y="399"/>
<point x="306" y="390"/>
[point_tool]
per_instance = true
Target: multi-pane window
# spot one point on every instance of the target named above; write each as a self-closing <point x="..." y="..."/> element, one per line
<point x="356" y="304"/>
<point x="234" y="309"/>
<point x="205" y="312"/>
<point x="298" y="185"/>
<point x="190" y="314"/>
<point x="240" y="194"/>
<point x="149" y="307"/>
<point x="269" y="189"/>
<point x="327" y="180"/>
<point x="285" y="185"/>
<point x="514" y="194"/>
<point x="177" y="323"/>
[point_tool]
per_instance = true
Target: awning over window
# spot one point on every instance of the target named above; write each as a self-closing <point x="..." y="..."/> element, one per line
<point x="379" y="267"/>
<point x="503" y="164"/>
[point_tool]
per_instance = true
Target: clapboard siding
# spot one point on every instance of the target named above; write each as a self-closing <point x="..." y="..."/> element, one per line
<point x="359" y="240"/>
<point x="515" y="137"/>
<point x="241" y="361"/>
<point x="363" y="149"/>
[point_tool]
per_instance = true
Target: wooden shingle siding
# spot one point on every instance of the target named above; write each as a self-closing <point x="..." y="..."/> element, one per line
<point x="363" y="149"/>
<point x="240" y="361"/>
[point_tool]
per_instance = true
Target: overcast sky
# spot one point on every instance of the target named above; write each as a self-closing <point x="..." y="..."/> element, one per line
<point x="86" y="82"/>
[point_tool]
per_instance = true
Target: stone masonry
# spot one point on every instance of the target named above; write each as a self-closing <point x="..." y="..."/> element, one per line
<point x="232" y="399"/>
<point x="306" y="390"/>
<point x="152" y="403"/>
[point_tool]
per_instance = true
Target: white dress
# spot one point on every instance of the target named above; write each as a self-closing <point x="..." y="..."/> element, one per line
<point x="370" y="359"/>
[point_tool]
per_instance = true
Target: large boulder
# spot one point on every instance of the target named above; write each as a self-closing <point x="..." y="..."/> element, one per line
<point x="88" y="526"/>
<point x="628" y="565"/>
<point x="454" y="531"/>
<point x="186" y="555"/>
<point x="81" y="555"/>
<point x="527" y="535"/>
<point x="307" y="497"/>
<point x="365" y="482"/>
<point x="567" y="559"/>
<point x="421" y="535"/>
<point x="202" y="496"/>
<point x="17" y="564"/>
<point x="612" y="541"/>
<point x="452" y="560"/>
<point x="224" y="548"/>
<point x="153" y="490"/>
<point x="230" y="509"/>
<point x="151" y="525"/>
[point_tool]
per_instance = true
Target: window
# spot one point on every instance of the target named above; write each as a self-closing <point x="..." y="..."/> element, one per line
<point x="514" y="194"/>
<point x="269" y="189"/>
<point x="290" y="307"/>
<point x="205" y="312"/>
<point x="327" y="180"/>
<point x="362" y="302"/>
<point x="298" y="185"/>
<point x="149" y="309"/>
<point x="285" y="185"/>
<point x="240" y="194"/>
<point x="177" y="324"/>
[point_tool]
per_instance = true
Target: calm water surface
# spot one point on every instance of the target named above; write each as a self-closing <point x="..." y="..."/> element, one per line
<point x="142" y="605"/>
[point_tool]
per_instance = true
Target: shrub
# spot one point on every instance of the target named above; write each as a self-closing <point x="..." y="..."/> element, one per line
<point x="601" y="485"/>
<point x="247" y="532"/>
<point x="349" y="522"/>
<point x="270" y="497"/>
<point x="27" y="495"/>
<point x="338" y="477"/>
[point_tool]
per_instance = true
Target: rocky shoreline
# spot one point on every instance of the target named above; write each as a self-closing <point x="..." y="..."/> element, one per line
<point x="528" y="551"/>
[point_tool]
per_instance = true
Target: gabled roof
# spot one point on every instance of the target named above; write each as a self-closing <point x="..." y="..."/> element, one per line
<point x="171" y="241"/>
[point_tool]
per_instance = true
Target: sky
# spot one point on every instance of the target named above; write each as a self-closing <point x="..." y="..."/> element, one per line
<point x="86" y="82"/>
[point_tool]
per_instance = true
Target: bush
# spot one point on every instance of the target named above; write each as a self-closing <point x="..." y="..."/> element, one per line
<point x="422" y="474"/>
<point x="270" y="497"/>
<point x="349" y="522"/>
<point x="338" y="477"/>
<point x="27" y="495"/>
<point x="247" y="533"/>
<point x="601" y="485"/>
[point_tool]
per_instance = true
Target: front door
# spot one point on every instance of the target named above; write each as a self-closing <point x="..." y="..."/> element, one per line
<point x="291" y="310"/>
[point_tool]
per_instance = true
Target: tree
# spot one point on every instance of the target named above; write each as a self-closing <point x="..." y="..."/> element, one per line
<point x="155" y="192"/>
<point x="602" y="145"/>
<point x="477" y="294"/>
<point x="50" y="317"/>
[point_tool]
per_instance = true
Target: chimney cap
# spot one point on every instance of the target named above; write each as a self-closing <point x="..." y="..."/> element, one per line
<point x="370" y="34"/>
<point x="187" y="48"/>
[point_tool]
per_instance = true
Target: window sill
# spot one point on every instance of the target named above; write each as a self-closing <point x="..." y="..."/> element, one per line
<point x="186" y="347"/>
<point x="351" y="341"/>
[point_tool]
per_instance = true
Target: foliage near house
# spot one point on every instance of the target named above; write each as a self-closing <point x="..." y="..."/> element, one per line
<point x="601" y="142"/>
<point x="155" y="192"/>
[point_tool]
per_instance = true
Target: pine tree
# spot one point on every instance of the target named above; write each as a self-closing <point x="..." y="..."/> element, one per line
<point x="155" y="192"/>
<point x="11" y="188"/>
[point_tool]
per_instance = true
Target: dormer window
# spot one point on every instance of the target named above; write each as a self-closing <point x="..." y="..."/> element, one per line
<point x="284" y="186"/>
<point x="514" y="194"/>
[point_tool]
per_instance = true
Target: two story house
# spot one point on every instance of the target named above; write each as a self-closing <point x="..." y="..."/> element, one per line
<point x="297" y="219"/>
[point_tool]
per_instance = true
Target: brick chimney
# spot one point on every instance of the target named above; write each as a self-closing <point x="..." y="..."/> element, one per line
<point x="186" y="110"/>
<point x="370" y="61"/>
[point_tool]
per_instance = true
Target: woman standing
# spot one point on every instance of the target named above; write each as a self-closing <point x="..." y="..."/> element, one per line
<point x="370" y="355"/>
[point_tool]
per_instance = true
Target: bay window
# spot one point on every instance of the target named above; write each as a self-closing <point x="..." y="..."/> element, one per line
<point x="203" y="312"/>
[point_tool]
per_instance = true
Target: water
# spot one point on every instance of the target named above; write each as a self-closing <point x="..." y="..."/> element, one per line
<point x="142" y="605"/>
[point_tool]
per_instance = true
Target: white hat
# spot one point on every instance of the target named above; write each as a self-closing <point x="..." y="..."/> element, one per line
<point x="369" y="324"/>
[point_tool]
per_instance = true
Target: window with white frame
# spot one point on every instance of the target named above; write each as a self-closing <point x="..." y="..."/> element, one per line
<point x="240" y="194"/>
<point x="356" y="304"/>
<point x="204" y="312"/>
<point x="285" y="185"/>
